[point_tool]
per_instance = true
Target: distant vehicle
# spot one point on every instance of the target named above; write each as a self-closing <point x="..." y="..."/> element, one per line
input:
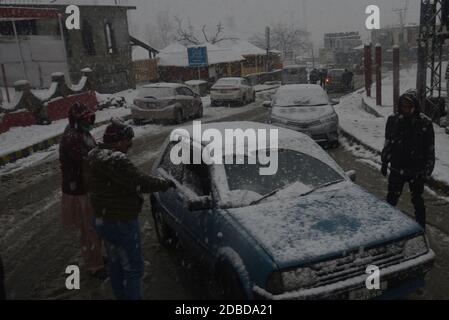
<point x="166" y="102"/>
<point x="294" y="74"/>
<point x="307" y="232"/>
<point x="335" y="81"/>
<point x="200" y="87"/>
<point x="305" y="108"/>
<point x="232" y="90"/>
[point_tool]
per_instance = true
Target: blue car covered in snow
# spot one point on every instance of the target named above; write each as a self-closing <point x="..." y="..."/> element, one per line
<point x="306" y="232"/>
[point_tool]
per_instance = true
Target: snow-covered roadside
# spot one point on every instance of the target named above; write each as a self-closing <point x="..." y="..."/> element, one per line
<point x="370" y="130"/>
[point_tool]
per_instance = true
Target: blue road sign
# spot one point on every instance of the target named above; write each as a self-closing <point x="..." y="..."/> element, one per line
<point x="197" y="56"/>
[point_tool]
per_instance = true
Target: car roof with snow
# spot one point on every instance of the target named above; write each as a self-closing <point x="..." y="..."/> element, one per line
<point x="287" y="139"/>
<point x="231" y="78"/>
<point x="163" y="85"/>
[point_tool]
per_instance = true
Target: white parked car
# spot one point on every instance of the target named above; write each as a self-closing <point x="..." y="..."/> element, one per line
<point x="305" y="108"/>
<point x="166" y="102"/>
<point x="232" y="90"/>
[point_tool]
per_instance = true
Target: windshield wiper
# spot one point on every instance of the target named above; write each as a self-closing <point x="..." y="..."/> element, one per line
<point x="321" y="187"/>
<point x="272" y="193"/>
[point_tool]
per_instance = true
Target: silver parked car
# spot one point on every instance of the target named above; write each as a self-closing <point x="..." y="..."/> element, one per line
<point x="166" y="102"/>
<point x="228" y="90"/>
<point x="305" y="108"/>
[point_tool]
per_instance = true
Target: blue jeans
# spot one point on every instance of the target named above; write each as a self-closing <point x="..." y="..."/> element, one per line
<point x="125" y="263"/>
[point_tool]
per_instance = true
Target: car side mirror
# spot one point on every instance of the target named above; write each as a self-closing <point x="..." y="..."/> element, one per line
<point x="199" y="203"/>
<point x="267" y="104"/>
<point x="352" y="174"/>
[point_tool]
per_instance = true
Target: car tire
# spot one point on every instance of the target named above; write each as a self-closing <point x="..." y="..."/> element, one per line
<point x="213" y="103"/>
<point x="254" y="96"/>
<point x="200" y="113"/>
<point x="178" y="117"/>
<point x="230" y="285"/>
<point x="243" y="101"/>
<point x="165" y="235"/>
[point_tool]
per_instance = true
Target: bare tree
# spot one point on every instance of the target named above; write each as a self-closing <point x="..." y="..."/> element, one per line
<point x="165" y="28"/>
<point x="287" y="38"/>
<point x="188" y="35"/>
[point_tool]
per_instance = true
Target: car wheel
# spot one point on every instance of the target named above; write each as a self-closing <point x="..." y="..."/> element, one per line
<point x="200" y="112"/>
<point x="178" y="117"/>
<point x="164" y="233"/>
<point x="230" y="285"/>
<point x="254" y="96"/>
<point x="243" y="101"/>
<point x="213" y="103"/>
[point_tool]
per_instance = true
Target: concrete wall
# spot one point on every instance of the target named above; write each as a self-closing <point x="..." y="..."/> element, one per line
<point x="43" y="55"/>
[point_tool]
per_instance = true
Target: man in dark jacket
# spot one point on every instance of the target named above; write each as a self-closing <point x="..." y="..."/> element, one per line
<point x="410" y="151"/>
<point x="77" y="212"/>
<point x="2" y="281"/>
<point x="115" y="190"/>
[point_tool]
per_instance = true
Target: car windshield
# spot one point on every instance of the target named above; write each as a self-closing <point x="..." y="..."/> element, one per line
<point x="157" y="93"/>
<point x="228" y="82"/>
<point x="293" y="166"/>
<point x="301" y="97"/>
<point x="336" y="73"/>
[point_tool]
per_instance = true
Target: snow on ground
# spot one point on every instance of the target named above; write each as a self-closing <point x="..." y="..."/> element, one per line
<point x="370" y="129"/>
<point x="19" y="138"/>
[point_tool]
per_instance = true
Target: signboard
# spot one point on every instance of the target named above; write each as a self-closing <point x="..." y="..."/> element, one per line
<point x="197" y="56"/>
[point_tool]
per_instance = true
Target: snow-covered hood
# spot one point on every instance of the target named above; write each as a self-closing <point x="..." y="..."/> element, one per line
<point x="303" y="114"/>
<point x="323" y="225"/>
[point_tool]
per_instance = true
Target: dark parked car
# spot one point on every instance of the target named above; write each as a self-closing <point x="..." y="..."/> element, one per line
<point x="307" y="232"/>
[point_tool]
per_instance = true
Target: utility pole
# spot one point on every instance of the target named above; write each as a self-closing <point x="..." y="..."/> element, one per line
<point x="432" y="36"/>
<point x="268" y="44"/>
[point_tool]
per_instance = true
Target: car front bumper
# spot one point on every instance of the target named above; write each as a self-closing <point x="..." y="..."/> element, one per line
<point x="401" y="280"/>
<point x="325" y="132"/>
<point x="167" y="113"/>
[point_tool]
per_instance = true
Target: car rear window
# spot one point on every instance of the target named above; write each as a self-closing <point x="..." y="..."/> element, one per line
<point x="336" y="73"/>
<point x="157" y="93"/>
<point x="228" y="81"/>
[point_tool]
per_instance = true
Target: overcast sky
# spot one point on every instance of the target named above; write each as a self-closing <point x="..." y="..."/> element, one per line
<point x="251" y="16"/>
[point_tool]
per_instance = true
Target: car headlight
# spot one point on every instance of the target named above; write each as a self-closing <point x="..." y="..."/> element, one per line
<point x="415" y="247"/>
<point x="298" y="279"/>
<point x="331" y="119"/>
<point x="275" y="284"/>
<point x="287" y="281"/>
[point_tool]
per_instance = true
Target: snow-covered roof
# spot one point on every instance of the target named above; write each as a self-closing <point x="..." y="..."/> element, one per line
<point x="109" y="3"/>
<point x="243" y="47"/>
<point x="176" y="55"/>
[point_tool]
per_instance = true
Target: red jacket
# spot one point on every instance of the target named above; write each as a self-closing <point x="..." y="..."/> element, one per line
<point x="73" y="150"/>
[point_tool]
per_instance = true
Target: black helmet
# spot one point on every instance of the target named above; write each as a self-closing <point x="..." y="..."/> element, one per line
<point x="117" y="131"/>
